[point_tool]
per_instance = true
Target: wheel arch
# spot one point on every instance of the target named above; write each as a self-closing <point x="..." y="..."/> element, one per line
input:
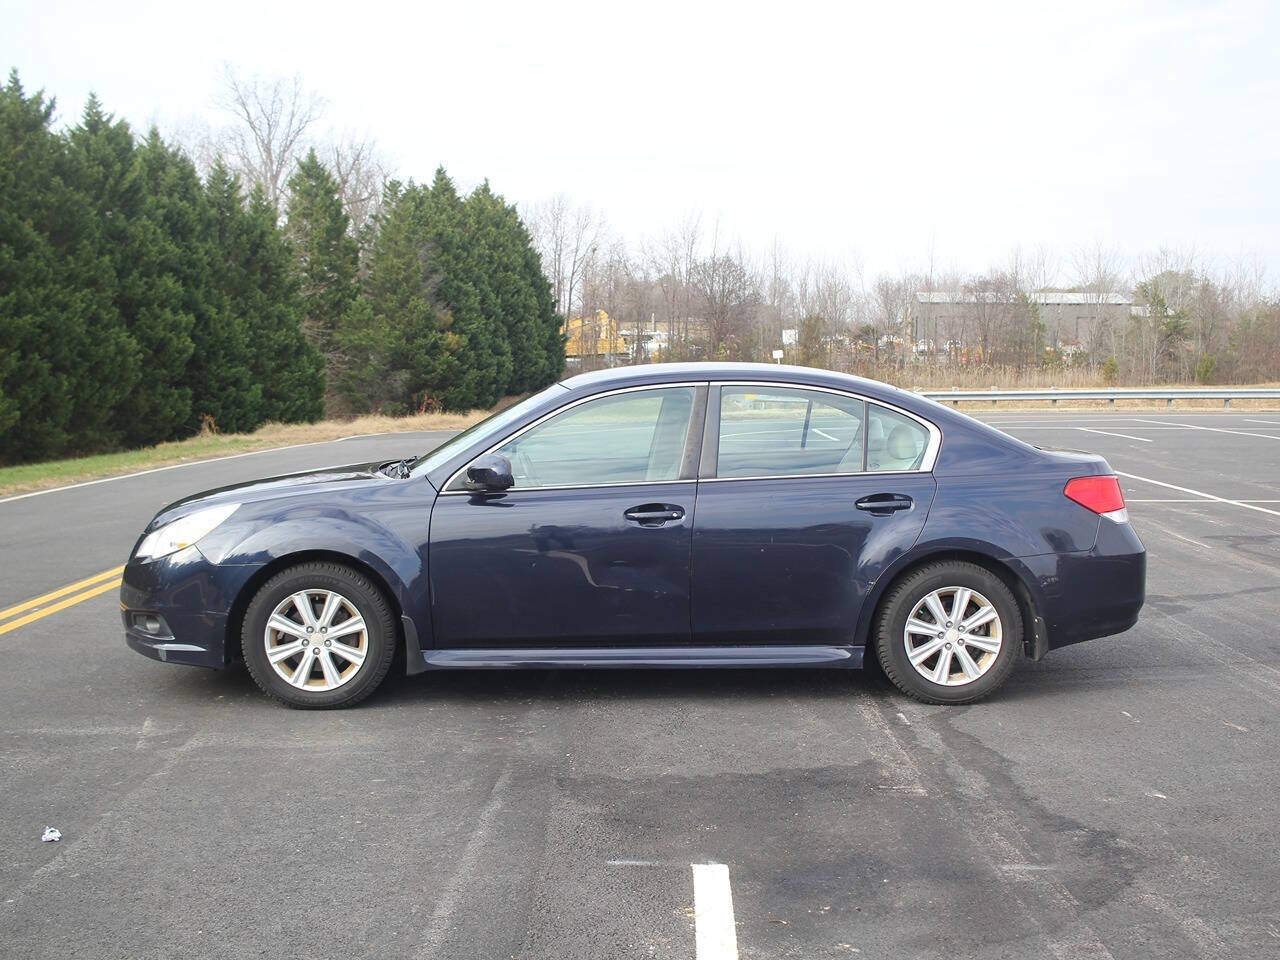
<point x="1035" y="638"/>
<point x="406" y="635"/>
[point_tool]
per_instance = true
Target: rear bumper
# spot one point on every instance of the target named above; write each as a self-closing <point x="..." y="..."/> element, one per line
<point x="1101" y="592"/>
<point x="175" y="609"/>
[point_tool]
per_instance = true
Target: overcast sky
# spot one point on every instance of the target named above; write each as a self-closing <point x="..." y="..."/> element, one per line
<point x="879" y="131"/>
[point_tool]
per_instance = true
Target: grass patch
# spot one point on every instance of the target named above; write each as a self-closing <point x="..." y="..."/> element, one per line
<point x="28" y="477"/>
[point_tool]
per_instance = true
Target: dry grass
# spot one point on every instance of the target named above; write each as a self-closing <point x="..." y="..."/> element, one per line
<point x="29" y="477"/>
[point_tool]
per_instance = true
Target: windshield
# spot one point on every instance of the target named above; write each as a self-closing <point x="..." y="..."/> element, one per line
<point x="492" y="423"/>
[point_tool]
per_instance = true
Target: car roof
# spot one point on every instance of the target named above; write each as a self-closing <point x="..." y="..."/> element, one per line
<point x="649" y="373"/>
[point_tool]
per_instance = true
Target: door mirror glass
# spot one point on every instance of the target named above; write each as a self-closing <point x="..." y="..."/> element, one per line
<point x="490" y="472"/>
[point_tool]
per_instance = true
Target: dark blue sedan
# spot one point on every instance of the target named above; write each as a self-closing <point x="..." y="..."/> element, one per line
<point x="678" y="515"/>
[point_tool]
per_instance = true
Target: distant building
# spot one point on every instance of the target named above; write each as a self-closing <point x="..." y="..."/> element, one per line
<point x="596" y="337"/>
<point x="1070" y="318"/>
<point x="655" y="337"/>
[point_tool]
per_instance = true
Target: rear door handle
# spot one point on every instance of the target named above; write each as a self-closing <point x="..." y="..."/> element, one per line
<point x="883" y="504"/>
<point x="654" y="514"/>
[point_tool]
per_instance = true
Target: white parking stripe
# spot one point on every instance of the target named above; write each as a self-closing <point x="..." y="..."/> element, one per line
<point x="1241" y="433"/>
<point x="1192" y="500"/>
<point x="1275" y="423"/>
<point x="1199" y="493"/>
<point x="1110" y="434"/>
<point x="715" y="931"/>
<point x="1069" y="417"/>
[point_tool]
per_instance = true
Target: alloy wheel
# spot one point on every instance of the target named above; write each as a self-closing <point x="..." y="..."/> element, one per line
<point x="316" y="640"/>
<point x="953" y="636"/>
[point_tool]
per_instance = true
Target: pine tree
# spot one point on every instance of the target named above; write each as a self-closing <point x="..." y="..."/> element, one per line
<point x="498" y="242"/>
<point x="290" y="370"/>
<point x="126" y="185"/>
<point x="548" y="324"/>
<point x="176" y="228"/>
<point x="324" y="258"/>
<point x="220" y="373"/>
<point x="65" y="358"/>
<point x="465" y="291"/>
<point x="400" y="350"/>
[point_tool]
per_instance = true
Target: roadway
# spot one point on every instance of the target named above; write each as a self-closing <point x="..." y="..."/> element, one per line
<point x="1118" y="799"/>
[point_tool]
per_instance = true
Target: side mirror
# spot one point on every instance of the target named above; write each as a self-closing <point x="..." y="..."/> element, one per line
<point x="492" y="472"/>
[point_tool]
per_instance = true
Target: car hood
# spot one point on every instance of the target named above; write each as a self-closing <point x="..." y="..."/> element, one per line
<point x="273" y="488"/>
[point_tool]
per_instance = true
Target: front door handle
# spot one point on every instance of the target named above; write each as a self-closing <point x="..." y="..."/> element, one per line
<point x="883" y="504"/>
<point x="654" y="514"/>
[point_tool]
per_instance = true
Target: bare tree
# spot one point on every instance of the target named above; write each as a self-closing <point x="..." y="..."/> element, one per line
<point x="567" y="237"/>
<point x="272" y="119"/>
<point x="673" y="261"/>
<point x="362" y="176"/>
<point x="199" y="141"/>
<point x="728" y="297"/>
<point x="1096" y="271"/>
<point x="891" y="298"/>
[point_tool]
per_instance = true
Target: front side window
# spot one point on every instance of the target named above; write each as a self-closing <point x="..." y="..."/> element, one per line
<point x="635" y="437"/>
<point x="781" y="431"/>
<point x="894" y="442"/>
<point x="494" y="423"/>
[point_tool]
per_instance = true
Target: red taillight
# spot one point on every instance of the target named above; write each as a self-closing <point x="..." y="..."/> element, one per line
<point x="1099" y="494"/>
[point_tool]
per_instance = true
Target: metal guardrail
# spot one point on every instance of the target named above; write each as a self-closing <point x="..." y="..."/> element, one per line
<point x="1111" y="395"/>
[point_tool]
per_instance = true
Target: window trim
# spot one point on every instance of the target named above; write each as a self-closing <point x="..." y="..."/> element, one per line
<point x="711" y="443"/>
<point x="687" y="458"/>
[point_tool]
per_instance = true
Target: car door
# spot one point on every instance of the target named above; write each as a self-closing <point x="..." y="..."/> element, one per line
<point x="805" y="496"/>
<point x="590" y="546"/>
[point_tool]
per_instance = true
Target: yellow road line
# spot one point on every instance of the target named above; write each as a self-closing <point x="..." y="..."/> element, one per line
<point x="61" y="592"/>
<point x="62" y="605"/>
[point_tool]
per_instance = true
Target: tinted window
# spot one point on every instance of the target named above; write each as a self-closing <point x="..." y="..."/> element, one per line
<point x="624" y="438"/>
<point x="778" y="431"/>
<point x="894" y="442"/>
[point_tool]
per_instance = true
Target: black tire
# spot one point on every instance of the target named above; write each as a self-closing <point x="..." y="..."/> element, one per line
<point x="901" y="600"/>
<point x="369" y="602"/>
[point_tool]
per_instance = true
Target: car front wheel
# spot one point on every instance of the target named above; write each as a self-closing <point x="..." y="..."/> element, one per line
<point x="949" y="633"/>
<point x="318" y="635"/>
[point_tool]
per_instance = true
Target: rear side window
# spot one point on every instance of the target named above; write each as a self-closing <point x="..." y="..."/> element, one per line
<point x="634" y="437"/>
<point x="780" y="431"/>
<point x="894" y="442"/>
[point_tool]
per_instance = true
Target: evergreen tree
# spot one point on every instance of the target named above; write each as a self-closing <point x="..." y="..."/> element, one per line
<point x="126" y="186"/>
<point x="548" y="325"/>
<point x="324" y="258"/>
<point x="288" y="367"/>
<point x="485" y="354"/>
<point x="177" y="230"/>
<point x="400" y="351"/>
<point x="65" y="358"/>
<point x="497" y="243"/>
<point x="220" y="371"/>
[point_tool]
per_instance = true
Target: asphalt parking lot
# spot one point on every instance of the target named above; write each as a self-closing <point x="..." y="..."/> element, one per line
<point x="1118" y="799"/>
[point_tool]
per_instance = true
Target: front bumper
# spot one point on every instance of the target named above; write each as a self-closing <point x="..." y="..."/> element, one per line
<point x="176" y="608"/>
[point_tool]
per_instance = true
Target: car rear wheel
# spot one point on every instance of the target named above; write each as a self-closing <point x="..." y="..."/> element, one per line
<point x="949" y="633"/>
<point x="318" y="635"/>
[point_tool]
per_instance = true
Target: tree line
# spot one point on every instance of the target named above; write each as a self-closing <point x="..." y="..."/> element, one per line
<point x="1168" y="316"/>
<point x="144" y="298"/>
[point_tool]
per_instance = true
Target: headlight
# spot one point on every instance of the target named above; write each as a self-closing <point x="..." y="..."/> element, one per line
<point x="184" y="532"/>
